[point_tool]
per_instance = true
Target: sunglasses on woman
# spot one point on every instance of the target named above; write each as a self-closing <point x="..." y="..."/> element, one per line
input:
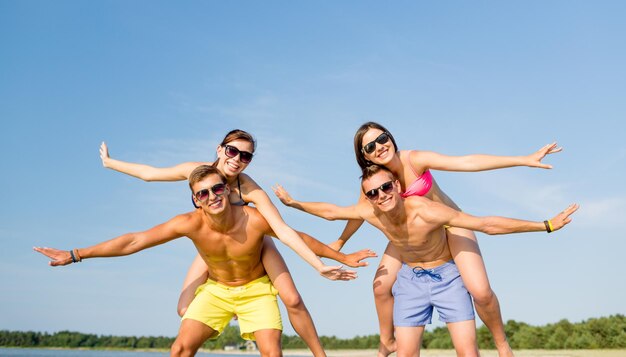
<point x="217" y="190"/>
<point x="372" y="194"/>
<point x="371" y="146"/>
<point x="244" y="156"/>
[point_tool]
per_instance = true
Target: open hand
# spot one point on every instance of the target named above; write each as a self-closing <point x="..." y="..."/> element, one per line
<point x="337" y="273"/>
<point x="282" y="195"/>
<point x="104" y="154"/>
<point x="354" y="260"/>
<point x="535" y="159"/>
<point x="58" y="257"/>
<point x="563" y="218"/>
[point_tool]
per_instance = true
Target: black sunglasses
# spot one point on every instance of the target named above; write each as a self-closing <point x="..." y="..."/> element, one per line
<point x="372" y="194"/>
<point x="371" y="146"/>
<point x="244" y="156"/>
<point x="217" y="190"/>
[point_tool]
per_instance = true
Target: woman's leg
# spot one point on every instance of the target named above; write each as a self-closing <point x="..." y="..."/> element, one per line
<point x="383" y="281"/>
<point x="298" y="314"/>
<point x="466" y="253"/>
<point x="197" y="275"/>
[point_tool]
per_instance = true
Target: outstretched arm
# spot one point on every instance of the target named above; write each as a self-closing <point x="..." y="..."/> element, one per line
<point x="351" y="227"/>
<point x="125" y="244"/>
<point x="324" y="210"/>
<point x="253" y="193"/>
<point x="423" y="160"/>
<point x="146" y="172"/>
<point x="353" y="260"/>
<point x="494" y="224"/>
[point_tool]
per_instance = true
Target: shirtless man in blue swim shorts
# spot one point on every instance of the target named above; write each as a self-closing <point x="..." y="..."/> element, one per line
<point x="428" y="278"/>
<point x="229" y="238"/>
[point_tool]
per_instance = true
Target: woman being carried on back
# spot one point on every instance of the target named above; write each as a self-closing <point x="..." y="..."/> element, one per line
<point x="233" y="156"/>
<point x="373" y="144"/>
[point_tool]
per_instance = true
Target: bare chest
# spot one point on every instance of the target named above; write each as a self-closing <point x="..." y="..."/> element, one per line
<point x="415" y="238"/>
<point x="235" y="245"/>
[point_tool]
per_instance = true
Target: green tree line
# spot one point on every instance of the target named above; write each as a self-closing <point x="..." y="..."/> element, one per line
<point x="605" y="332"/>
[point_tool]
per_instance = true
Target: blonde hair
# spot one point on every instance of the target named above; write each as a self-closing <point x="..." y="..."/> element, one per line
<point x="202" y="171"/>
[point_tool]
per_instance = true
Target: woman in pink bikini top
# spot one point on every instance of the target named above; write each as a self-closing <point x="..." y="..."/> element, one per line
<point x="373" y="144"/>
<point x="420" y="186"/>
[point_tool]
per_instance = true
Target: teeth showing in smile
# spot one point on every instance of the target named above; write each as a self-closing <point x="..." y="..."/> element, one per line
<point x="232" y="165"/>
<point x="385" y="201"/>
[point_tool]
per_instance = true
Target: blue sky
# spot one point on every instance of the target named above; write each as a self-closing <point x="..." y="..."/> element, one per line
<point x="162" y="82"/>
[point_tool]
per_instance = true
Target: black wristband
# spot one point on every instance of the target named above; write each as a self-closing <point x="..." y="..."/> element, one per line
<point x="547" y="224"/>
<point x="73" y="257"/>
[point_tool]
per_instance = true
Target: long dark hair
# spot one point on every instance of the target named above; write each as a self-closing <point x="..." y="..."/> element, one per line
<point x="358" y="142"/>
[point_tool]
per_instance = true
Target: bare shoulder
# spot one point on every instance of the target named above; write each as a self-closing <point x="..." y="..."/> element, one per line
<point x="415" y="158"/>
<point x="365" y="210"/>
<point x="255" y="218"/>
<point x="427" y="209"/>
<point x="252" y="192"/>
<point x="247" y="183"/>
<point x="416" y="201"/>
<point x="187" y="222"/>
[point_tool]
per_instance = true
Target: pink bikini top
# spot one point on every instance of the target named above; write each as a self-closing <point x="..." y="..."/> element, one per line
<point x="420" y="186"/>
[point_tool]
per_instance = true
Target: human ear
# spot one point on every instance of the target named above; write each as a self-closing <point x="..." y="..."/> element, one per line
<point x="193" y="200"/>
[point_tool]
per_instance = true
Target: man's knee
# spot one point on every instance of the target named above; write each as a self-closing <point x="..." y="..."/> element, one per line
<point x="181" y="349"/>
<point x="272" y="350"/>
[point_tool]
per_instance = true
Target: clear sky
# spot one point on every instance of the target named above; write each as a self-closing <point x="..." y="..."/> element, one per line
<point x="162" y="82"/>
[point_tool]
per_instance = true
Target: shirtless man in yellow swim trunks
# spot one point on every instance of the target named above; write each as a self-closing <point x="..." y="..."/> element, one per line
<point x="229" y="238"/>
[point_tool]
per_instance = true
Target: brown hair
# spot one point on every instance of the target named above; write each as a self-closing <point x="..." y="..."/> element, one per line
<point x="237" y="134"/>
<point x="372" y="170"/>
<point x="202" y="171"/>
<point x="358" y="142"/>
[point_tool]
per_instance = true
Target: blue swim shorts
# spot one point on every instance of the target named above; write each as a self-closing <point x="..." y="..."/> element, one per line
<point x="417" y="291"/>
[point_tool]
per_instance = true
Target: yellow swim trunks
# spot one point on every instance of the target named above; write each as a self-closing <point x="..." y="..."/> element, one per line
<point x="254" y="304"/>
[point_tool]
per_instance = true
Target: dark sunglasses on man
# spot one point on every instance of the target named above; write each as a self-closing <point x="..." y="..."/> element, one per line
<point x="372" y="194"/>
<point x="217" y="190"/>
